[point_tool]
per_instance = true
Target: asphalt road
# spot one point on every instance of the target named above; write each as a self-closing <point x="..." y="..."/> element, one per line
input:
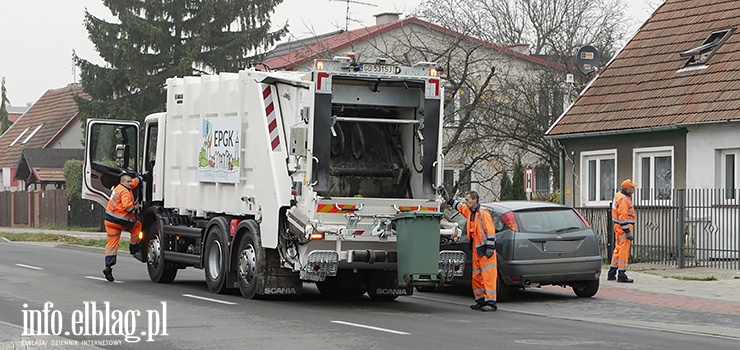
<point x="33" y="274"/>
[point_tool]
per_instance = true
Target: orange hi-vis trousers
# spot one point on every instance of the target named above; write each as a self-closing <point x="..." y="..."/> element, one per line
<point x="114" y="235"/>
<point x="485" y="277"/>
<point x="622" y="246"/>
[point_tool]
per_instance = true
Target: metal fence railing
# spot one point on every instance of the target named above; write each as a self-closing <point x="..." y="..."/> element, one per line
<point x="679" y="227"/>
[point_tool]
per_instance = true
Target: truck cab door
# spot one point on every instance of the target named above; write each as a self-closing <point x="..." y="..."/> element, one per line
<point x="111" y="150"/>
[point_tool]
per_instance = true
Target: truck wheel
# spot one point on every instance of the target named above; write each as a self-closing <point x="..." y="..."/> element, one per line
<point x="250" y="257"/>
<point x="425" y="289"/>
<point x="344" y="284"/>
<point x="159" y="272"/>
<point x="586" y="289"/>
<point x="215" y="260"/>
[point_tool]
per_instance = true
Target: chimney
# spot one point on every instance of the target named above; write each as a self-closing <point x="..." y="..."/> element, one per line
<point x="386" y="17"/>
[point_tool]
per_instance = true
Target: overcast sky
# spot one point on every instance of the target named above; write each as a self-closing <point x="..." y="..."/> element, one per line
<point x="38" y="36"/>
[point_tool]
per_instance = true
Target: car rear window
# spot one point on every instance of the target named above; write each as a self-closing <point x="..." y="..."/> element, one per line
<point x="550" y="220"/>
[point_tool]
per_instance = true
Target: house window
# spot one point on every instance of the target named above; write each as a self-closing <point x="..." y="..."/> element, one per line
<point x="31" y="134"/>
<point x="598" y="183"/>
<point x="542" y="179"/>
<point x="702" y="53"/>
<point x="459" y="178"/>
<point x="19" y="137"/>
<point x="654" y="172"/>
<point x="730" y="172"/>
<point x="456" y="107"/>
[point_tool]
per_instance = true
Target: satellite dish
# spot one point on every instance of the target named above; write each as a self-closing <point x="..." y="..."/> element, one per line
<point x="587" y="59"/>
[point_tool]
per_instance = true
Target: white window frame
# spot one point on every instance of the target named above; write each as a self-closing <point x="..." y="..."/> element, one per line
<point x="598" y="156"/>
<point x="723" y="173"/>
<point x="651" y="152"/>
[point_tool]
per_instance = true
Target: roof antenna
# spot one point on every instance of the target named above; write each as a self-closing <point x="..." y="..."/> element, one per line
<point x="346" y="18"/>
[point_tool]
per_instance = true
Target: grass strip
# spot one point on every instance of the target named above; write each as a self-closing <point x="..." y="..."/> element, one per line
<point x="48" y="237"/>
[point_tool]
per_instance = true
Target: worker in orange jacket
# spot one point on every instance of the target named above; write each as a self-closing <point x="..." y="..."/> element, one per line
<point x="623" y="217"/>
<point x="120" y="215"/>
<point x="482" y="235"/>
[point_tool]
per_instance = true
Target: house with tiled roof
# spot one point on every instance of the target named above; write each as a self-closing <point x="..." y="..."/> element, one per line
<point x="392" y="39"/>
<point x="370" y="42"/>
<point x="665" y="112"/>
<point x="51" y="123"/>
<point x="15" y="112"/>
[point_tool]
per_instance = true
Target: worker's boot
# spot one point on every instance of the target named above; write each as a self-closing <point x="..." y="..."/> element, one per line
<point x="622" y="277"/>
<point x="108" y="272"/>
<point x="489" y="307"/>
<point x="612" y="275"/>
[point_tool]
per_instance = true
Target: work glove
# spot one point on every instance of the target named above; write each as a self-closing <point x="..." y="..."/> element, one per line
<point x="489" y="253"/>
<point x="444" y="194"/>
<point x="630" y="236"/>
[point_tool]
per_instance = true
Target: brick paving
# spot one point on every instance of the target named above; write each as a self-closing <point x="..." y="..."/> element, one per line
<point x="657" y="299"/>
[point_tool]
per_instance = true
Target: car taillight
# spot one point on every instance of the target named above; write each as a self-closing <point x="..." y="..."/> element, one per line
<point x="510" y="221"/>
<point x="582" y="218"/>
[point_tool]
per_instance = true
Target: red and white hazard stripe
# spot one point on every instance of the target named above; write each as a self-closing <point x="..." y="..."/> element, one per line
<point x="272" y="125"/>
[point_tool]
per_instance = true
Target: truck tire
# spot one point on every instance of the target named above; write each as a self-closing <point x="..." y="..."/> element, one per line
<point x="157" y="267"/>
<point x="215" y="260"/>
<point x="249" y="260"/>
<point x="344" y="284"/>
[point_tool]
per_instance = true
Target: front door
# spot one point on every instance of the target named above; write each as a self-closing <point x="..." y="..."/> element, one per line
<point x="111" y="150"/>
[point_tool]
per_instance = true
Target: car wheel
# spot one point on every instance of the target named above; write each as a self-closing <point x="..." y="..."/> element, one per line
<point x="586" y="289"/>
<point x="503" y="291"/>
<point x="425" y="289"/>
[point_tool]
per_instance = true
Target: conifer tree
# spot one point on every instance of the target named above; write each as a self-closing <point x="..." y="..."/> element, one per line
<point x="154" y="40"/>
<point x="4" y="103"/>
<point x="505" y="187"/>
<point x="517" y="181"/>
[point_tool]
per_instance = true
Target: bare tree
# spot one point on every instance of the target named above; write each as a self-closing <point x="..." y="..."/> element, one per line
<point x="515" y="109"/>
<point x="551" y="27"/>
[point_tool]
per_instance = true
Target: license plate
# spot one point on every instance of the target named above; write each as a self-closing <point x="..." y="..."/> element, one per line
<point x="559" y="246"/>
<point x="377" y="68"/>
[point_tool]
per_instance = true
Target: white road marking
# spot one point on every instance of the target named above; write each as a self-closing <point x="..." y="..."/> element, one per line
<point x="101" y="279"/>
<point x="208" y="299"/>
<point x="370" y="327"/>
<point x="29" y="266"/>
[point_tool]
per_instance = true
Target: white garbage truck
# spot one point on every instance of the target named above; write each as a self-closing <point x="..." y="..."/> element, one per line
<point x="267" y="180"/>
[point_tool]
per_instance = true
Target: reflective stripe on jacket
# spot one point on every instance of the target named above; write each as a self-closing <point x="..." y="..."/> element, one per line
<point x="623" y="212"/>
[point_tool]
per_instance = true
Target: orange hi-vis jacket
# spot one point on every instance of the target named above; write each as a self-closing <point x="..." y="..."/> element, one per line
<point x="623" y="213"/>
<point x="482" y="233"/>
<point x="121" y="207"/>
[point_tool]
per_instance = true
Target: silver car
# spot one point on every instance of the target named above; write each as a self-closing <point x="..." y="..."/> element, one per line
<point x="538" y="243"/>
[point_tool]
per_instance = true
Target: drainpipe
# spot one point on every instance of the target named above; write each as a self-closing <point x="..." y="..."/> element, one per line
<point x="562" y="176"/>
